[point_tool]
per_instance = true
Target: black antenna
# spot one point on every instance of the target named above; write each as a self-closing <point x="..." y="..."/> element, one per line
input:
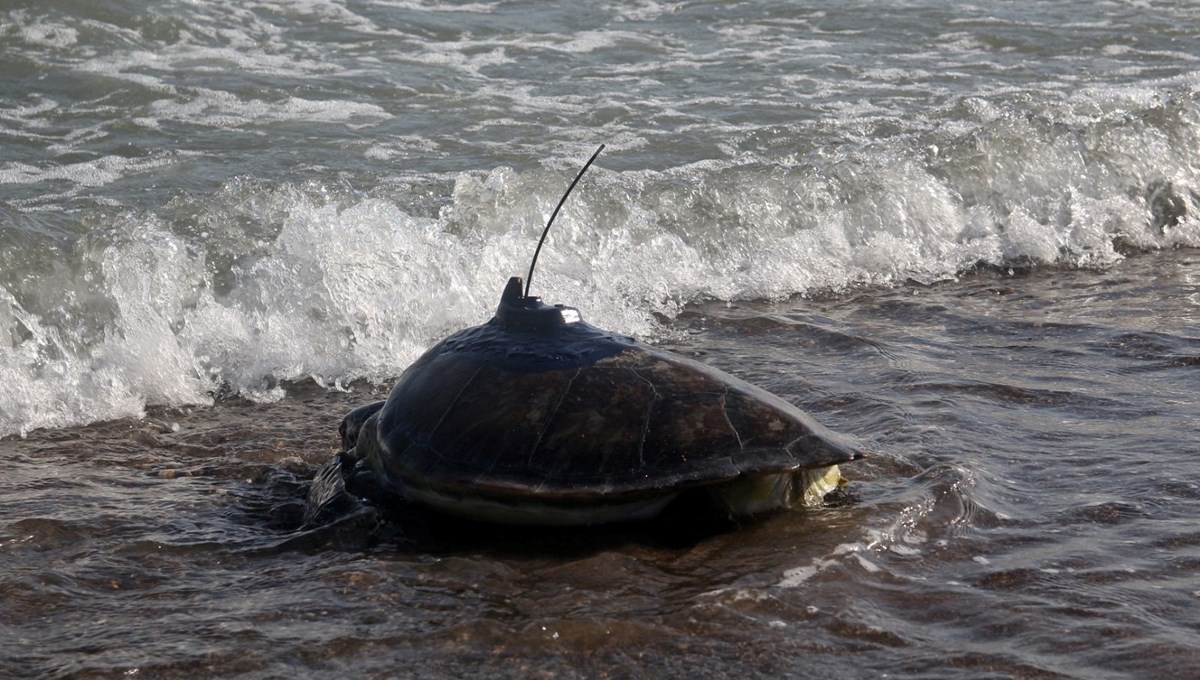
<point x="529" y="279"/>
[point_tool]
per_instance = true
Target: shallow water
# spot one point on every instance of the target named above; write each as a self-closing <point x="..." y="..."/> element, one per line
<point x="965" y="234"/>
<point x="1028" y="512"/>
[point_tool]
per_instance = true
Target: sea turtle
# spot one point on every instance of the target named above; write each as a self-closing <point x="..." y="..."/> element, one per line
<point x="537" y="417"/>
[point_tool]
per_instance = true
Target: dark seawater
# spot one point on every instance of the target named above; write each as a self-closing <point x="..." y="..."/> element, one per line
<point x="966" y="234"/>
<point x="1029" y="512"/>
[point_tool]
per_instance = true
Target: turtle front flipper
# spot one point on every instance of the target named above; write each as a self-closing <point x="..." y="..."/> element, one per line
<point x="339" y="489"/>
<point x="328" y="498"/>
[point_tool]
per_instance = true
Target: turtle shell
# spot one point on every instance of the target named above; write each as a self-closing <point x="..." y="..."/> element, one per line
<point x="538" y="411"/>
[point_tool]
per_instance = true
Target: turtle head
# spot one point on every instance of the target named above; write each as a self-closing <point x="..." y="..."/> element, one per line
<point x="521" y="312"/>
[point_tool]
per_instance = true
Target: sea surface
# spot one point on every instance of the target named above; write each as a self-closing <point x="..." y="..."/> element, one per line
<point x="967" y="235"/>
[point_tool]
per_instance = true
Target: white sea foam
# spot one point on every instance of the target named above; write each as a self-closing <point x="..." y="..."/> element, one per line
<point x="58" y="377"/>
<point x="43" y="33"/>
<point x="223" y="109"/>
<point x="797" y="576"/>
<point x="425" y="6"/>
<point x="591" y="41"/>
<point x="93" y="173"/>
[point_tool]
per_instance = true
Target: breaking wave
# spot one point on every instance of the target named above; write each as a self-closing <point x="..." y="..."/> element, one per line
<point x="110" y="302"/>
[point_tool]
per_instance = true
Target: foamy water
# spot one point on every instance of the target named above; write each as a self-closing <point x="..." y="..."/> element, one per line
<point x="255" y="192"/>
